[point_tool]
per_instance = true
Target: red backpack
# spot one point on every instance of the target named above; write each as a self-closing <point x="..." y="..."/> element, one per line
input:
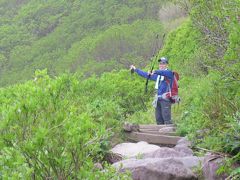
<point x="173" y="88"/>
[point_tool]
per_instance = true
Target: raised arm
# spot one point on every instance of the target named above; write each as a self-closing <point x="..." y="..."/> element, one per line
<point x="144" y="74"/>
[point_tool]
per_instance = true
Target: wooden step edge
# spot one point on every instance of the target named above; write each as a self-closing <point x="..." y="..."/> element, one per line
<point x="153" y="138"/>
<point x="159" y="133"/>
<point x="155" y="126"/>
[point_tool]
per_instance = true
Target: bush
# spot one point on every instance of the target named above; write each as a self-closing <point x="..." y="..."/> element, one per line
<point x="61" y="127"/>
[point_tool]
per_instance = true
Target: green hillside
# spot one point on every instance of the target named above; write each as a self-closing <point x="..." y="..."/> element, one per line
<point x="73" y="35"/>
<point x="66" y="117"/>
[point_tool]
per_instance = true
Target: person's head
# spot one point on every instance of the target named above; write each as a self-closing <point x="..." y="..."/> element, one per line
<point x="163" y="63"/>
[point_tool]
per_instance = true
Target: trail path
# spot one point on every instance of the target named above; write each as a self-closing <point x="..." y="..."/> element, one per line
<point x="155" y="152"/>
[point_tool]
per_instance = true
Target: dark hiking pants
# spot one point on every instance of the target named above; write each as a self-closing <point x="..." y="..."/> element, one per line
<point x="163" y="112"/>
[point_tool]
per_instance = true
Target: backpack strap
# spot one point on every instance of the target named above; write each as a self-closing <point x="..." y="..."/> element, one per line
<point x="170" y="83"/>
<point x="169" y="87"/>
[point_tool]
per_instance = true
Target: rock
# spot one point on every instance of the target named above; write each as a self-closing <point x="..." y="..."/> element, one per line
<point x="183" y="142"/>
<point x="211" y="163"/>
<point x="145" y="150"/>
<point x="167" y="130"/>
<point x="127" y="127"/>
<point x="182" y="147"/>
<point x="98" y="166"/>
<point x="164" y="152"/>
<point x="130" y="127"/>
<point x="130" y="150"/>
<point x="191" y="161"/>
<point x="113" y="157"/>
<point x="155" y="169"/>
<point x="184" y="151"/>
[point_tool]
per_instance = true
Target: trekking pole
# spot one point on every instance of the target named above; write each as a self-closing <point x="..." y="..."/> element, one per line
<point x="153" y="60"/>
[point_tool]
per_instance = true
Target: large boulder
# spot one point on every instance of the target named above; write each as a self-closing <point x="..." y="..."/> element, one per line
<point x="164" y="152"/>
<point x="150" y="162"/>
<point x="130" y="150"/>
<point x="155" y="169"/>
<point x="191" y="161"/>
<point x="145" y="150"/>
<point x="187" y="159"/>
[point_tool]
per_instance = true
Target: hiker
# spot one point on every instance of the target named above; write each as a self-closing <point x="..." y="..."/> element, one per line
<point x="161" y="103"/>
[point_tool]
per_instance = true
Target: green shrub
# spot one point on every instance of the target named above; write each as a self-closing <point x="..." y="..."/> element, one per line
<point x="57" y="128"/>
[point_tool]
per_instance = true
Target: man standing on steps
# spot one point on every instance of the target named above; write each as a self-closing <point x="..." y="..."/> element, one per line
<point x="161" y="103"/>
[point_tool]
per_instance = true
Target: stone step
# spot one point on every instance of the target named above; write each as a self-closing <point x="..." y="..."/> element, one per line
<point x="152" y="138"/>
<point x="152" y="127"/>
<point x="155" y="127"/>
<point x="151" y="131"/>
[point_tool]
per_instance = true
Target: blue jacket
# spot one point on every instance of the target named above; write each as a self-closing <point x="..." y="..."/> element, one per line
<point x="162" y="86"/>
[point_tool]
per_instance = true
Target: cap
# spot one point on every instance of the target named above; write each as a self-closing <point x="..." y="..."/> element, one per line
<point x="163" y="60"/>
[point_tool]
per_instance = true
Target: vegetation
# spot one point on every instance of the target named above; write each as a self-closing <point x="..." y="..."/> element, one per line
<point x="73" y="35"/>
<point x="205" y="50"/>
<point x="59" y="126"/>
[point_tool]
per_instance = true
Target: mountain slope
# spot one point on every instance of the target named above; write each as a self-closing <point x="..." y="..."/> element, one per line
<point x="60" y="35"/>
